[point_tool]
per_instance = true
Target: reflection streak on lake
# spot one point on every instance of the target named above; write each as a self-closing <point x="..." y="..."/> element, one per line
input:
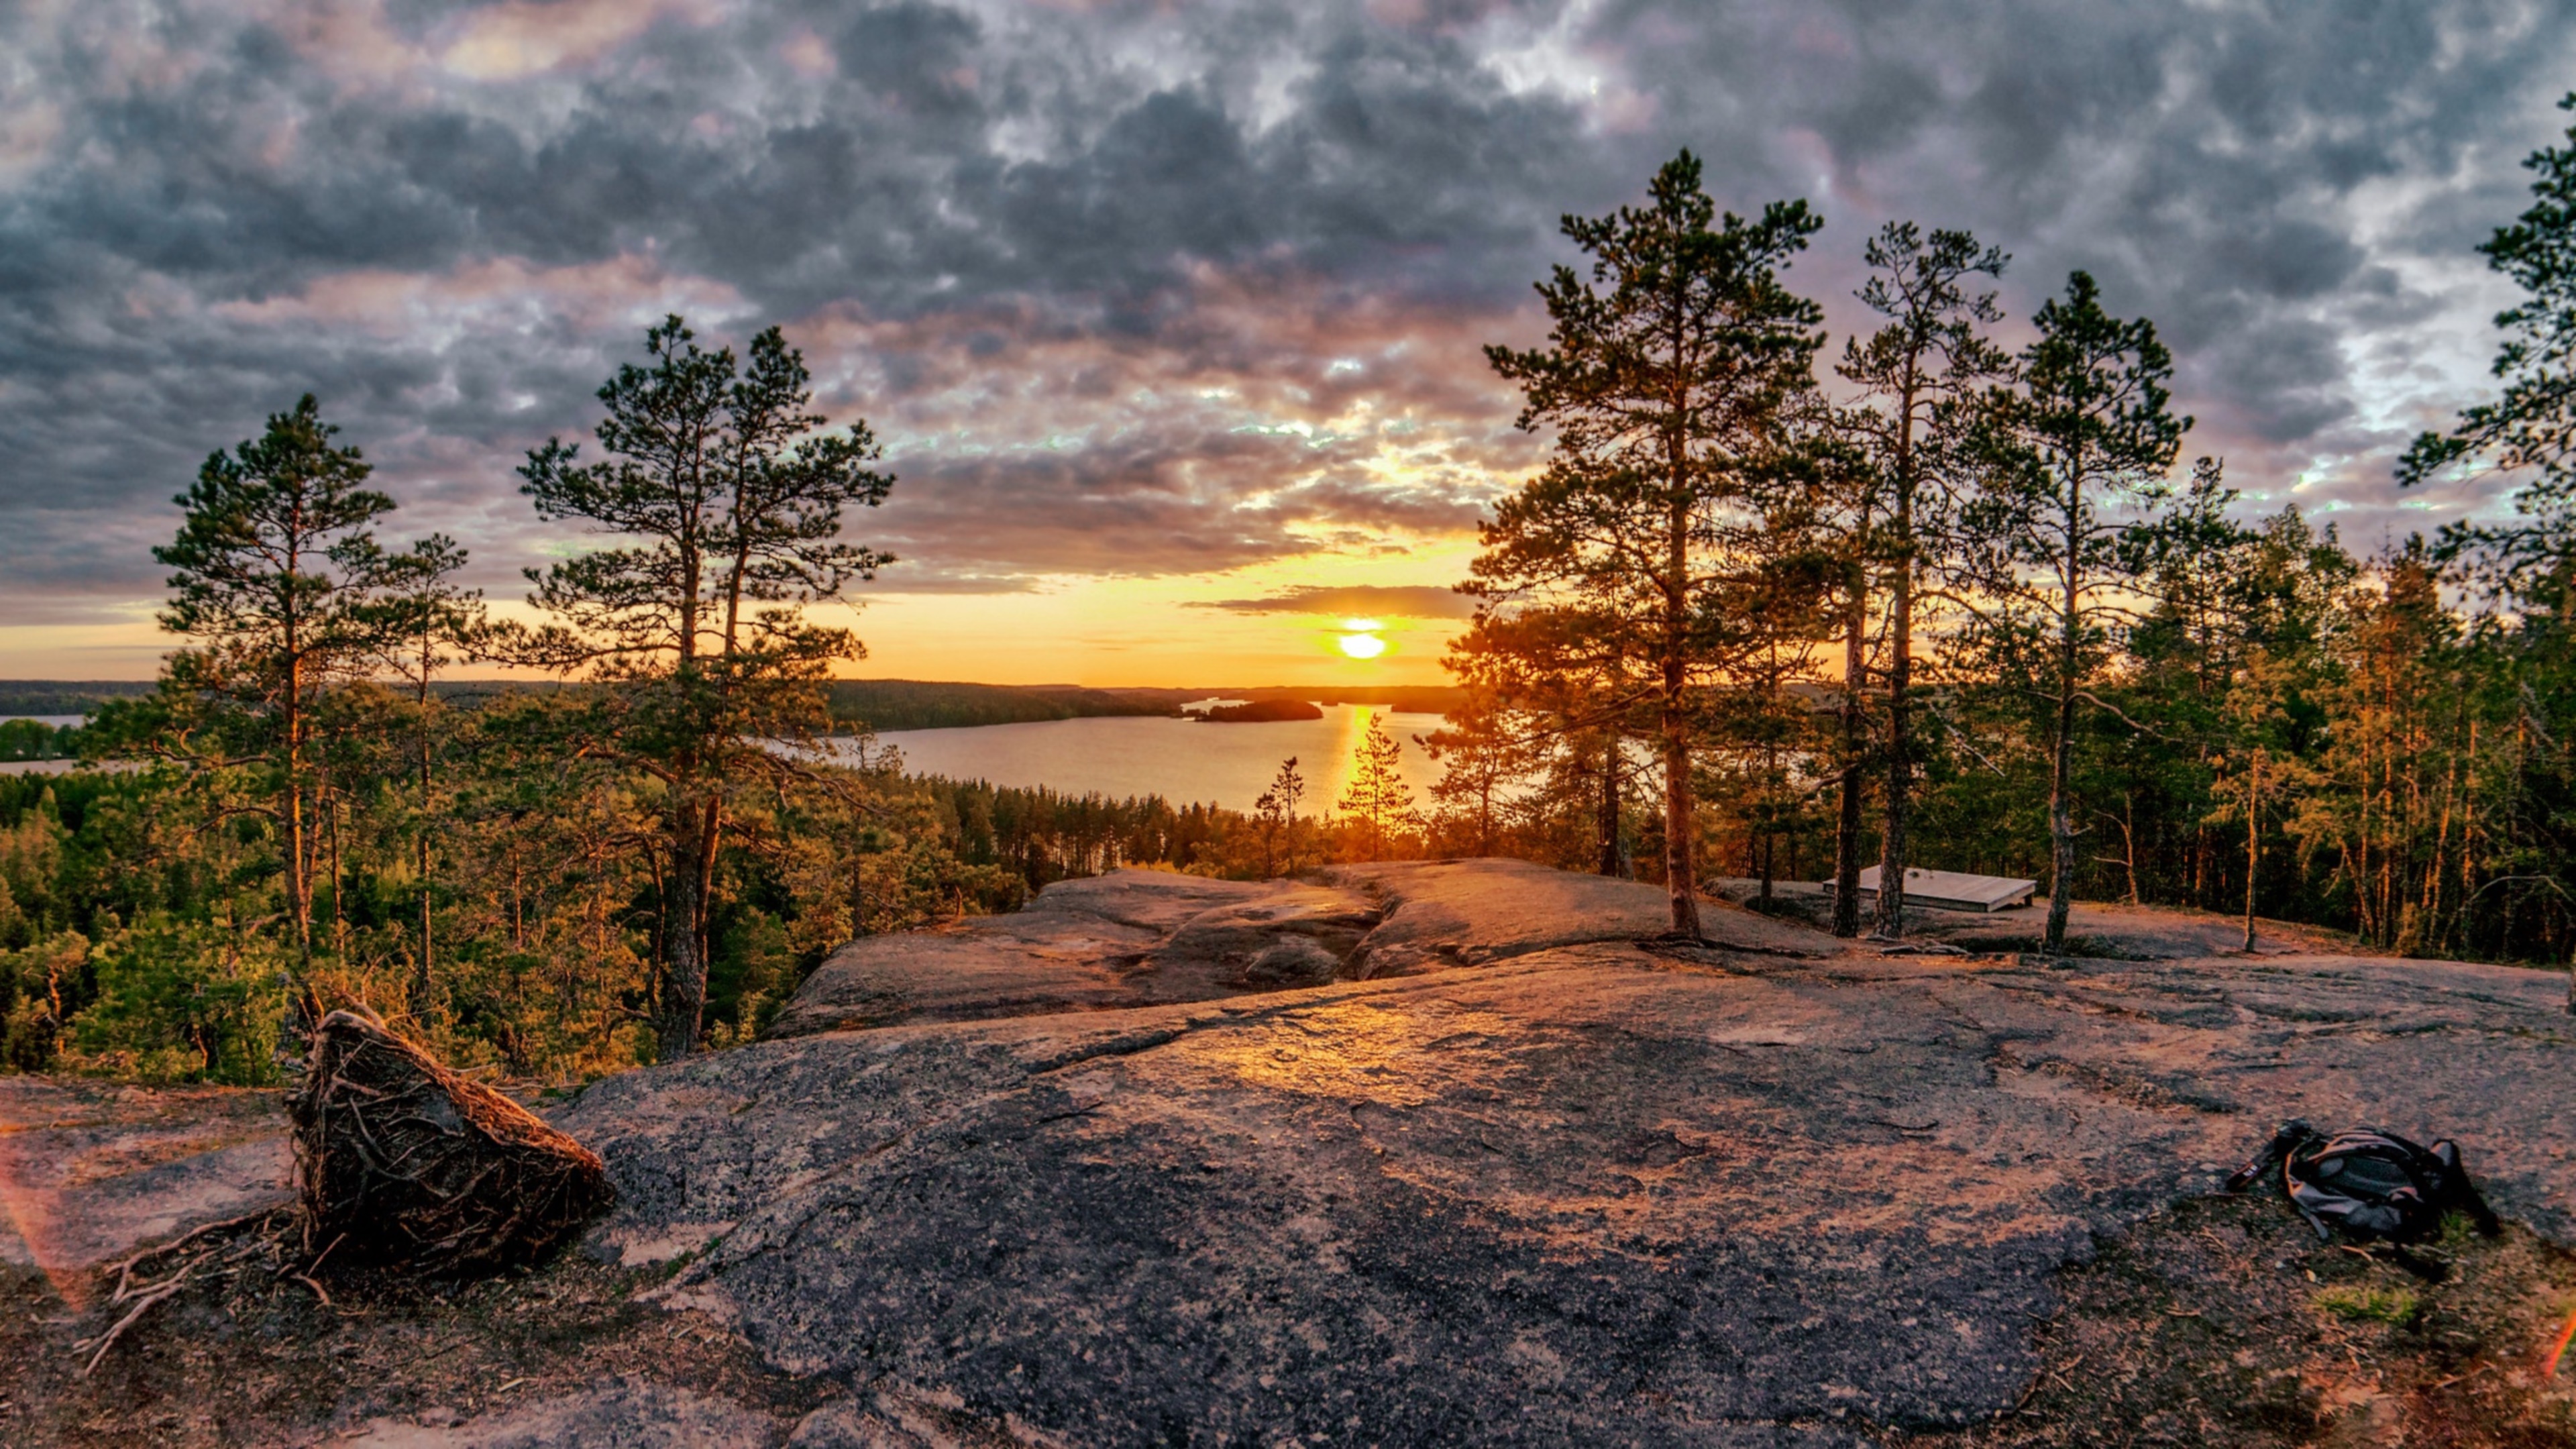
<point x="1181" y="760"/>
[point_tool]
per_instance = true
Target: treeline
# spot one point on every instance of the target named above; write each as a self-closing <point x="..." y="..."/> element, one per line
<point x="65" y="696"/>
<point x="912" y="704"/>
<point x="138" y="930"/>
<point x="1948" y="604"/>
<point x="33" y="739"/>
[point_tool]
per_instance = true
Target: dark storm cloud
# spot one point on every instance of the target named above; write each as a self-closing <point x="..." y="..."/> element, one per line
<point x="1137" y="289"/>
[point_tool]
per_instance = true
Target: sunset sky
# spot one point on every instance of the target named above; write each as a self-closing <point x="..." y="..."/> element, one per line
<point x="1169" y="313"/>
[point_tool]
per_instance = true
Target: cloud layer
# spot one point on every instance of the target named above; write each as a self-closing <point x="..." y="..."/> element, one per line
<point x="1133" y="289"/>
<point x="1356" y="601"/>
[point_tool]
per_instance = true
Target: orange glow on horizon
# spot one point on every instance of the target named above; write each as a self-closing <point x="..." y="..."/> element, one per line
<point x="1106" y="632"/>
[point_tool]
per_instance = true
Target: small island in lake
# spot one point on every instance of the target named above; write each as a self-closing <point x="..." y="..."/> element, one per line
<point x="1261" y="711"/>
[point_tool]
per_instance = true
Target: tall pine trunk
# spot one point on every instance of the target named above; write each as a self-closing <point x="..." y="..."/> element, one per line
<point x="2061" y="761"/>
<point x="421" y="968"/>
<point x="299" y="865"/>
<point x="1608" y="821"/>
<point x="694" y="838"/>
<point x="2253" y="841"/>
<point x="1679" y="881"/>
<point x="1889" y="919"/>
<point x="1847" y="827"/>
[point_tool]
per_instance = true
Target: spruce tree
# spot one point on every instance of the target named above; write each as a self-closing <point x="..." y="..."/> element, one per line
<point x="1274" y="816"/>
<point x="1376" y="798"/>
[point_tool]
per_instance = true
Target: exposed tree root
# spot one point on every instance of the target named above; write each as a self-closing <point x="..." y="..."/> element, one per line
<point x="408" y="1163"/>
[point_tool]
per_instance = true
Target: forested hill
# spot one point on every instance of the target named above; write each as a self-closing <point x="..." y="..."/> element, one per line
<point x="884" y="704"/>
<point x="66" y="696"/>
<point x="917" y="704"/>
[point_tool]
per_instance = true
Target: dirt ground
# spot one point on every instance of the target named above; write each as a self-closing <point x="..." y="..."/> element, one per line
<point x="251" y="1357"/>
<point x="2224" y="1322"/>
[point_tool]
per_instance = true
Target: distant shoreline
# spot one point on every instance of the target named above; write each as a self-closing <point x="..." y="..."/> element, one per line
<point x="883" y="705"/>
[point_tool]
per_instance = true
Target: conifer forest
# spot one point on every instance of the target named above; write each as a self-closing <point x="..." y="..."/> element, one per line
<point x="1955" y="592"/>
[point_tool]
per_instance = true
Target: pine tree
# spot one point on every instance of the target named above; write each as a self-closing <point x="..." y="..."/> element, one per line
<point x="2525" y="567"/>
<point x="422" y="620"/>
<point x="273" y="565"/>
<point x="737" y="500"/>
<point x="2530" y="428"/>
<point x="2087" y="430"/>
<point x="1377" y="799"/>
<point x="1667" y="374"/>
<point x="1919" y="376"/>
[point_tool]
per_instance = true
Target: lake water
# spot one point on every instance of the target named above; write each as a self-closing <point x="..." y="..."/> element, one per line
<point x="1183" y="761"/>
<point x="56" y="720"/>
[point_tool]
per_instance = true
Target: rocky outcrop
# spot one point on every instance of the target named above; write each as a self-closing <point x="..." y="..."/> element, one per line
<point x="90" y="1171"/>
<point x="1472" y="912"/>
<point x="1143" y="937"/>
<point x="1522" y="1172"/>
<point x="1602" y="1192"/>
<point x="1129" y="938"/>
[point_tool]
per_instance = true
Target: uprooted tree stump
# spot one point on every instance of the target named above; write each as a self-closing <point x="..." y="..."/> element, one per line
<point x="400" y="1161"/>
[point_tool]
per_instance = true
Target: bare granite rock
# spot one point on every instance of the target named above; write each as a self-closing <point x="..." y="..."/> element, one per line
<point x="1595" y="1193"/>
<point x="1128" y="938"/>
<point x="1469" y="912"/>
<point x="1578" y="1185"/>
<point x="1141" y="937"/>
<point x="92" y="1171"/>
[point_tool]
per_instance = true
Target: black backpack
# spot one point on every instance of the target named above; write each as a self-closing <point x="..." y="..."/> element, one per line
<point x="2368" y="1183"/>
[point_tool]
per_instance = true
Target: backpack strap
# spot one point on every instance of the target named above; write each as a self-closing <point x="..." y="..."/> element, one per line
<point x="2294" y="1134"/>
<point x="2458" y="1191"/>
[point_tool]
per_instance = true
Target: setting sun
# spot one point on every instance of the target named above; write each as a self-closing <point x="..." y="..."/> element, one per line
<point x="1359" y="638"/>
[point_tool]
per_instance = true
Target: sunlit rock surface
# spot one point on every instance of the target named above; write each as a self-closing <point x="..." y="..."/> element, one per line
<point x="1470" y="912"/>
<point x="90" y="1170"/>
<point x="1602" y="1192"/>
<point x="1523" y="1172"/>
<point x="1129" y="938"/>
<point x="1144" y="937"/>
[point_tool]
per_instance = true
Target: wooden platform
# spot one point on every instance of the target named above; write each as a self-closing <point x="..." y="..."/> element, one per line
<point x="1952" y="890"/>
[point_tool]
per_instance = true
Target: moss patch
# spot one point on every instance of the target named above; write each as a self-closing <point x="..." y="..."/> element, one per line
<point x="2224" y="1322"/>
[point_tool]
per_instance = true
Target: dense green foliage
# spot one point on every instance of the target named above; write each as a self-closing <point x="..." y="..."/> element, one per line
<point x="33" y="739"/>
<point x="2064" y="663"/>
<point x="140" y="919"/>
